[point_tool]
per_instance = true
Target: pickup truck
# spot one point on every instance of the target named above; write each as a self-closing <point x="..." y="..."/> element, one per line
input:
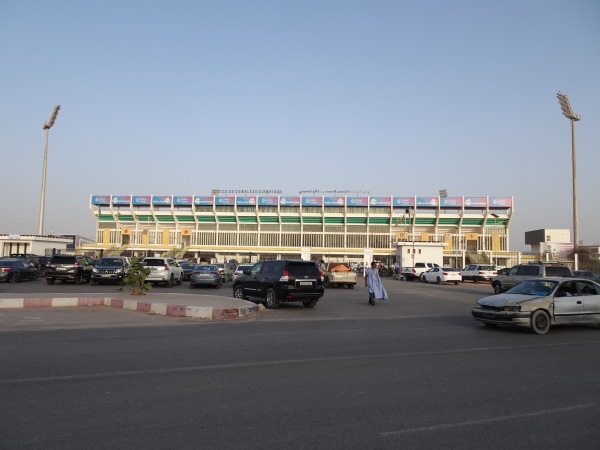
<point x="414" y="273"/>
<point x="339" y="274"/>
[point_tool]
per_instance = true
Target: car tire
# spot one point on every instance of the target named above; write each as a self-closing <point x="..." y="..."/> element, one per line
<point x="475" y="280"/>
<point x="169" y="282"/>
<point x="422" y="278"/>
<point x="439" y="280"/>
<point x="271" y="299"/>
<point x="50" y="280"/>
<point x="36" y="276"/>
<point x="79" y="278"/>
<point x="540" y="322"/>
<point x="238" y="292"/>
<point x="309" y="303"/>
<point x="350" y="286"/>
<point x="180" y="280"/>
<point x="14" y="278"/>
<point x="497" y="288"/>
<point x="94" y="282"/>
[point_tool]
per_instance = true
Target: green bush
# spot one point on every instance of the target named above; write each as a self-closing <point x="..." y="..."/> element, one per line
<point x="136" y="278"/>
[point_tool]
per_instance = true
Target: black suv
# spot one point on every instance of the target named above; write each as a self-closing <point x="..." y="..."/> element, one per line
<point x="110" y="269"/>
<point x="77" y="268"/>
<point x="281" y="280"/>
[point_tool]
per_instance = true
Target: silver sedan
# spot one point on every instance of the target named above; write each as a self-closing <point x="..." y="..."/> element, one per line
<point x="541" y="302"/>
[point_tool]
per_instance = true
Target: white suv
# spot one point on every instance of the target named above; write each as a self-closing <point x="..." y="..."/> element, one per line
<point x="479" y="272"/>
<point x="163" y="270"/>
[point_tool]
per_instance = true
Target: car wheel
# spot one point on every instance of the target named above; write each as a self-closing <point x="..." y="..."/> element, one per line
<point x="271" y="299"/>
<point x="350" y="286"/>
<point x="94" y="282"/>
<point x="79" y="279"/>
<point x="309" y="303"/>
<point x="326" y="282"/>
<point x="50" y="280"/>
<point x="475" y="280"/>
<point x="423" y="280"/>
<point x="238" y="292"/>
<point x="180" y="280"/>
<point x="169" y="282"/>
<point x="456" y="283"/>
<point x="35" y="276"/>
<point x="497" y="288"/>
<point x="439" y="280"/>
<point x="540" y="322"/>
<point x="14" y="278"/>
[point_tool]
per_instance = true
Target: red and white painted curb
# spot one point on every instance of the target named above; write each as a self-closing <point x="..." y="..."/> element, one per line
<point x="164" y="309"/>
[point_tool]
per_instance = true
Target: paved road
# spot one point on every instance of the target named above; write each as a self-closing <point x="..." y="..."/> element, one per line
<point x="413" y="372"/>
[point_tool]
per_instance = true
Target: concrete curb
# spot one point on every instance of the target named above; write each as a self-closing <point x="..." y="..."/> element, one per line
<point x="149" y="307"/>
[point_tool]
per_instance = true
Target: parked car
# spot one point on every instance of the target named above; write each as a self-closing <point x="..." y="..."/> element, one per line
<point x="522" y="272"/>
<point x="14" y="270"/>
<point x="541" y="302"/>
<point x="110" y="270"/>
<point x="188" y="268"/>
<point x="587" y="274"/>
<point x="206" y="275"/>
<point x="65" y="268"/>
<point x="479" y="272"/>
<point x="163" y="270"/>
<point x="441" y="275"/>
<point x="226" y="272"/>
<point x="239" y="270"/>
<point x="283" y="280"/>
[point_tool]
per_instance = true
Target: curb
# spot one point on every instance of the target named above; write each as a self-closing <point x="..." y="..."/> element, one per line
<point x="148" y="307"/>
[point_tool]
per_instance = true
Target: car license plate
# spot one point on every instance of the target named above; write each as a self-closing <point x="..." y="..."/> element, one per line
<point x="204" y="275"/>
<point x="305" y="283"/>
<point x="105" y="275"/>
<point x="61" y="269"/>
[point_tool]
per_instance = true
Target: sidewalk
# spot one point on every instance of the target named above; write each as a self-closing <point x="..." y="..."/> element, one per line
<point x="176" y="305"/>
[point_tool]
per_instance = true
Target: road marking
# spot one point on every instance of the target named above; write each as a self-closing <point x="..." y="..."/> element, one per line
<point x="468" y="423"/>
<point x="191" y="369"/>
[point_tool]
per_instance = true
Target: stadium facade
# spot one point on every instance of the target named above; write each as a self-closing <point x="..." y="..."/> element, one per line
<point x="334" y="228"/>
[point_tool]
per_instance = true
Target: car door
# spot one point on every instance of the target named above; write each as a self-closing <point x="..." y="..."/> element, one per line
<point x="590" y="297"/>
<point x="431" y="274"/>
<point x="251" y="283"/>
<point x="568" y="305"/>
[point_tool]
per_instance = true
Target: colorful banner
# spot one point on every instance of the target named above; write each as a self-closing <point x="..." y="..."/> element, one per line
<point x="312" y="201"/>
<point x="141" y="200"/>
<point x="427" y="202"/>
<point x="245" y="201"/>
<point x="500" y="202"/>
<point x="161" y="200"/>
<point x="333" y="201"/>
<point x="289" y="201"/>
<point x="404" y="201"/>
<point x="204" y="200"/>
<point x="268" y="201"/>
<point x="224" y="201"/>
<point x="121" y="200"/>
<point x="476" y="202"/>
<point x="179" y="200"/>
<point x="380" y="201"/>
<point x="451" y="202"/>
<point x="101" y="200"/>
<point x="357" y="201"/>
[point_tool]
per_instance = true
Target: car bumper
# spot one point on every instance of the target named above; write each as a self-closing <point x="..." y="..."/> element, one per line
<point x="107" y="277"/>
<point x="502" y="317"/>
<point x="207" y="282"/>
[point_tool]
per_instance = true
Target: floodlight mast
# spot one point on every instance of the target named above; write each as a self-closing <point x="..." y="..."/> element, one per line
<point x="567" y="111"/>
<point x="46" y="128"/>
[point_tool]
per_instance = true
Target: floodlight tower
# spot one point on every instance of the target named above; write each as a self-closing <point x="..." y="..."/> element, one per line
<point x="46" y="127"/>
<point x="569" y="114"/>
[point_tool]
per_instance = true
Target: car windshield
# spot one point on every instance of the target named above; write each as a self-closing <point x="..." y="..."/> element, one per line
<point x="110" y="262"/>
<point x="205" y="268"/>
<point x="449" y="269"/>
<point x="540" y="288"/>
<point x="186" y="265"/>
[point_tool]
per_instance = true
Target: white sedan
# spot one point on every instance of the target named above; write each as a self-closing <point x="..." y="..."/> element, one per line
<point x="441" y="275"/>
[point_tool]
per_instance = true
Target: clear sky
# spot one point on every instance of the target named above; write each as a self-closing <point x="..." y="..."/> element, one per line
<point x="389" y="97"/>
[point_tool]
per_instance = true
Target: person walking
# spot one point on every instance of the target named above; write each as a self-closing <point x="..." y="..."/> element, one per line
<point x="373" y="284"/>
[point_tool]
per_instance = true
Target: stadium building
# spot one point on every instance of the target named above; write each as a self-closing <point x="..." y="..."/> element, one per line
<point x="333" y="228"/>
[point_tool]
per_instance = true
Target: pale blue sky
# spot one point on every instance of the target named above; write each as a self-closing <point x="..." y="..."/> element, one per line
<point x="390" y="97"/>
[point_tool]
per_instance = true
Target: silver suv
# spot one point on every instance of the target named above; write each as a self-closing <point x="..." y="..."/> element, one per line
<point x="516" y="274"/>
<point x="163" y="270"/>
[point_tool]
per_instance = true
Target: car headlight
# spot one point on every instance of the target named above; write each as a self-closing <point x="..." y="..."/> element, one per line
<point x="515" y="308"/>
<point x="95" y="270"/>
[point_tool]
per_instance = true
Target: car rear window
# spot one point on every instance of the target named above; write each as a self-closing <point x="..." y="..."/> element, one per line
<point x="303" y="268"/>
<point x="63" y="260"/>
<point x="154" y="262"/>
<point x="558" y="271"/>
<point x="528" y="270"/>
<point x="487" y="268"/>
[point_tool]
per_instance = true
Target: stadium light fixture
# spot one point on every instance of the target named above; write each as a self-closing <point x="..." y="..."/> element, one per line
<point x="46" y="128"/>
<point x="567" y="111"/>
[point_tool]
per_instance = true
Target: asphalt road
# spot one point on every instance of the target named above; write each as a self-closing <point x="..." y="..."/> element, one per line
<point x="413" y="372"/>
